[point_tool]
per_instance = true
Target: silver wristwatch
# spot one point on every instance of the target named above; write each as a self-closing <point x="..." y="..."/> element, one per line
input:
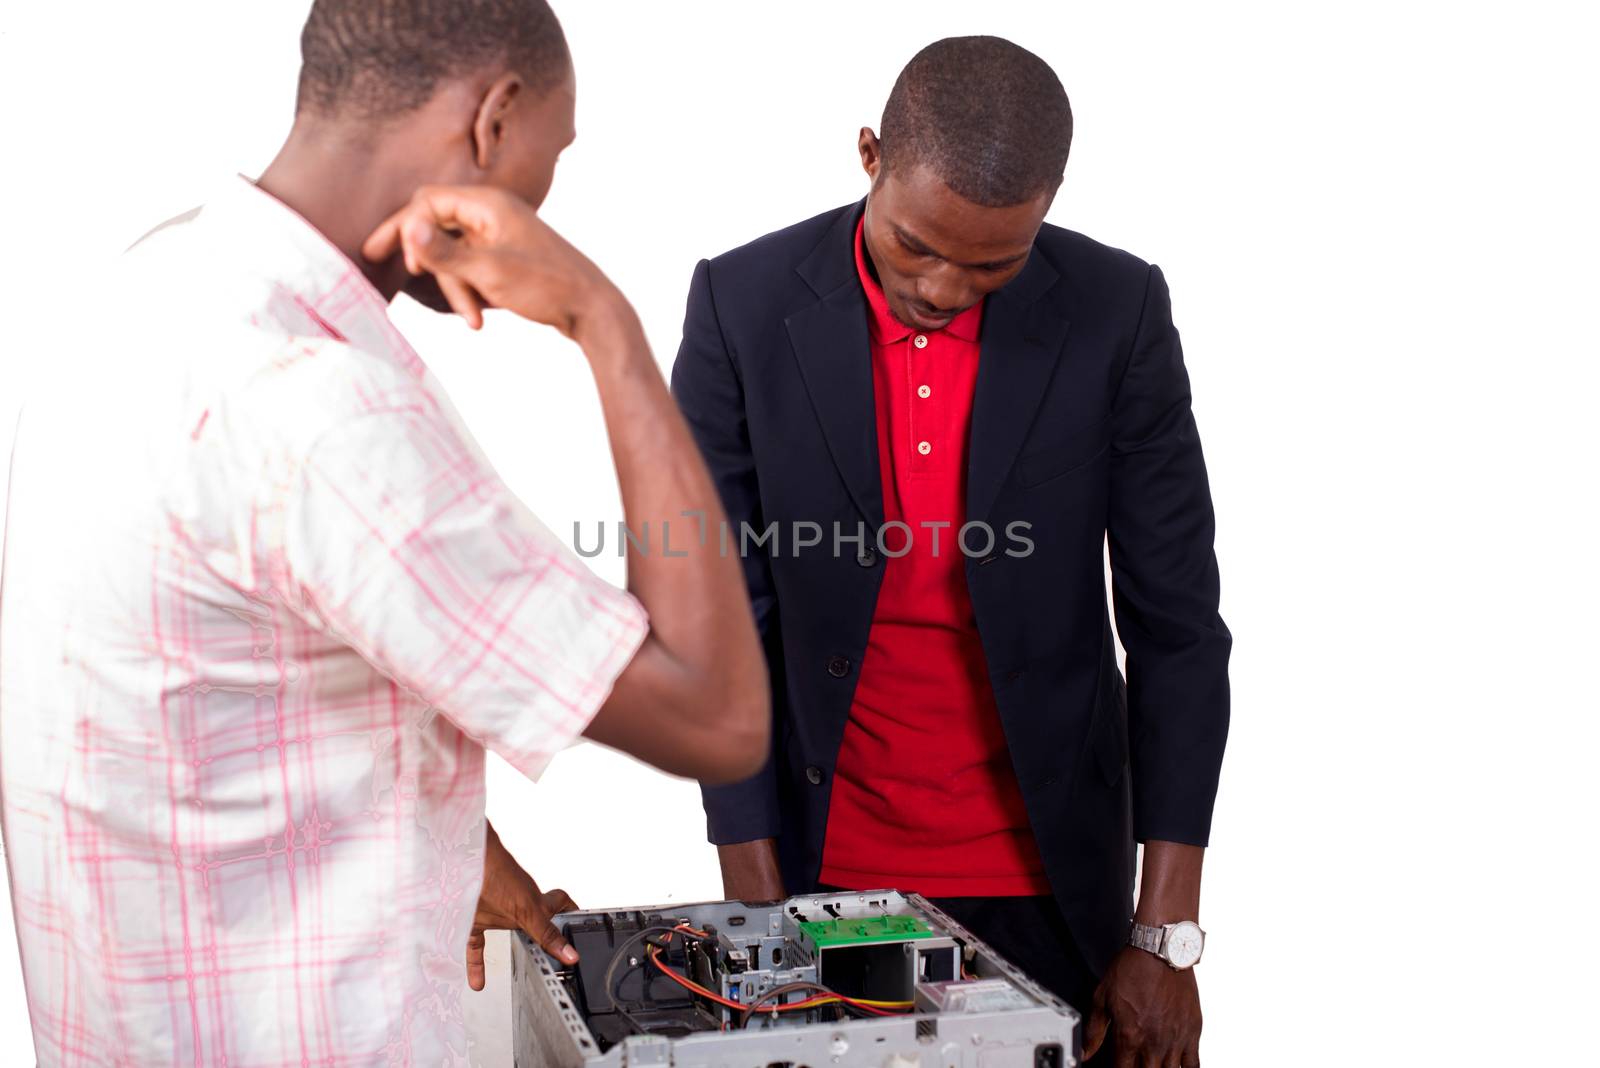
<point x="1179" y="944"/>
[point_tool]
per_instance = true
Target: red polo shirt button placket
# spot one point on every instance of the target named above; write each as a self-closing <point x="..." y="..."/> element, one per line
<point x="924" y="797"/>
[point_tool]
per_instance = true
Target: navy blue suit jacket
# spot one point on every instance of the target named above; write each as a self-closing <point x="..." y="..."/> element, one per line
<point x="1081" y="428"/>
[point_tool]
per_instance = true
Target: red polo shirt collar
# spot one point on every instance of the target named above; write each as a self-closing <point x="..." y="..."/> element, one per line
<point x="881" y="322"/>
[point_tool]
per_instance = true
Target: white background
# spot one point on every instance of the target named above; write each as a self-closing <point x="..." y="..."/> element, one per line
<point x="1378" y="223"/>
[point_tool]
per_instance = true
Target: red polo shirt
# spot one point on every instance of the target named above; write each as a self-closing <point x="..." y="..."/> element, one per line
<point x="924" y="797"/>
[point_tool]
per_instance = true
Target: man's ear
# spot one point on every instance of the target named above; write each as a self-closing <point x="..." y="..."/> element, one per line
<point x="492" y="120"/>
<point x="871" y="153"/>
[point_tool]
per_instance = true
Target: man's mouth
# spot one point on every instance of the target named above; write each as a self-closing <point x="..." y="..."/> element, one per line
<point x="926" y="318"/>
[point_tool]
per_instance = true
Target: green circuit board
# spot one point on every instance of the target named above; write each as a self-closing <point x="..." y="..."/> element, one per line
<point x="825" y="934"/>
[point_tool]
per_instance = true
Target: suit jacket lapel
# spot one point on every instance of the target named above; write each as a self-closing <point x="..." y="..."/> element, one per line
<point x="1021" y="343"/>
<point x="832" y="346"/>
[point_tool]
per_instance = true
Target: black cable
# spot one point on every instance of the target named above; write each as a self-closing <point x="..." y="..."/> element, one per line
<point x="611" y="981"/>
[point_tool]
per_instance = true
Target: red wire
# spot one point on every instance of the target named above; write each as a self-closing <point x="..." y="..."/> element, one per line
<point x="655" y="958"/>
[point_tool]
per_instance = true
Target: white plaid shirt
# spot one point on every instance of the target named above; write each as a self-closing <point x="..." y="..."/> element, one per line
<point x="264" y="605"/>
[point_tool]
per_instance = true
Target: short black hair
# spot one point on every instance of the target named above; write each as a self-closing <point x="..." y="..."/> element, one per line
<point x="987" y="116"/>
<point x="377" y="59"/>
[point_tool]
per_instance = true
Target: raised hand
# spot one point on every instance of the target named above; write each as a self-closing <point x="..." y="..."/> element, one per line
<point x="489" y="249"/>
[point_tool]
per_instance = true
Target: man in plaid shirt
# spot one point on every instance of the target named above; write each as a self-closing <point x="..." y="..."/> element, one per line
<point x="265" y="604"/>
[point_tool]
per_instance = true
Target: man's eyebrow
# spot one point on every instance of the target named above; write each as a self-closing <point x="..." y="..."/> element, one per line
<point x="917" y="245"/>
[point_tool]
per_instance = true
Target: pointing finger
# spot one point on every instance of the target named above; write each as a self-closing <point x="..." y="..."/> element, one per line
<point x="463" y="299"/>
<point x="385" y="240"/>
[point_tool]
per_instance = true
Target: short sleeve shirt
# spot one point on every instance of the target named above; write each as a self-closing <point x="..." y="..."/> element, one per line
<point x="265" y="606"/>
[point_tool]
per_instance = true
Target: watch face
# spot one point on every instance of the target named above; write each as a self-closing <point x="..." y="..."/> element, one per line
<point x="1184" y="944"/>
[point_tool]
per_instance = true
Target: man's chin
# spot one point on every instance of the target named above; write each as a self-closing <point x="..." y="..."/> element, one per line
<point x="424" y="289"/>
<point x="919" y="320"/>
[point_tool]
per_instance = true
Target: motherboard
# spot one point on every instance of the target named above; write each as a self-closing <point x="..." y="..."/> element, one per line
<point x="876" y="978"/>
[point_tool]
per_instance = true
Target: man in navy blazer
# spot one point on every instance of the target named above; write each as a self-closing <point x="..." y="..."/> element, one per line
<point x="1077" y="432"/>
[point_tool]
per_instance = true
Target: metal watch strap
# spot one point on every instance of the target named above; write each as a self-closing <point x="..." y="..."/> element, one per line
<point x="1147" y="938"/>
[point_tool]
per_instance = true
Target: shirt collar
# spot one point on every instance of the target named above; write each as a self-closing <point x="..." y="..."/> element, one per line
<point x="881" y="322"/>
<point x="293" y="255"/>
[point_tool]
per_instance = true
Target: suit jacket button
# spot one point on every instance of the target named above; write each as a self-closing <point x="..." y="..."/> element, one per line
<point x="814" y="775"/>
<point x="867" y="558"/>
<point x="838" y="666"/>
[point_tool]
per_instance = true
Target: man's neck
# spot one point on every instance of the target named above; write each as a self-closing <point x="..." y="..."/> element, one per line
<point x="344" y="191"/>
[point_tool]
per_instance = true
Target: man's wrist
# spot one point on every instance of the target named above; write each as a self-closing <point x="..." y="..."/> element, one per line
<point x="1180" y="945"/>
<point x="1169" y="891"/>
<point x="606" y="327"/>
<point x="1160" y="913"/>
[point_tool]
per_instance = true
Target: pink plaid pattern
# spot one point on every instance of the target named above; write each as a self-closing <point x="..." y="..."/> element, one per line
<point x="265" y="604"/>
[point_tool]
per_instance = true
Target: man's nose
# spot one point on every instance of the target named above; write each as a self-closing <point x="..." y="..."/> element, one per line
<point x="946" y="287"/>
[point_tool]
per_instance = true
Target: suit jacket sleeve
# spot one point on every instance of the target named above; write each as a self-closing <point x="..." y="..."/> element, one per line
<point x="1165" y="586"/>
<point x="706" y="383"/>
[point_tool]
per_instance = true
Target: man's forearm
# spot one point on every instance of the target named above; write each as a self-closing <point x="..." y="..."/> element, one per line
<point x="1169" y="889"/>
<point x="750" y="870"/>
<point x="697" y="600"/>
